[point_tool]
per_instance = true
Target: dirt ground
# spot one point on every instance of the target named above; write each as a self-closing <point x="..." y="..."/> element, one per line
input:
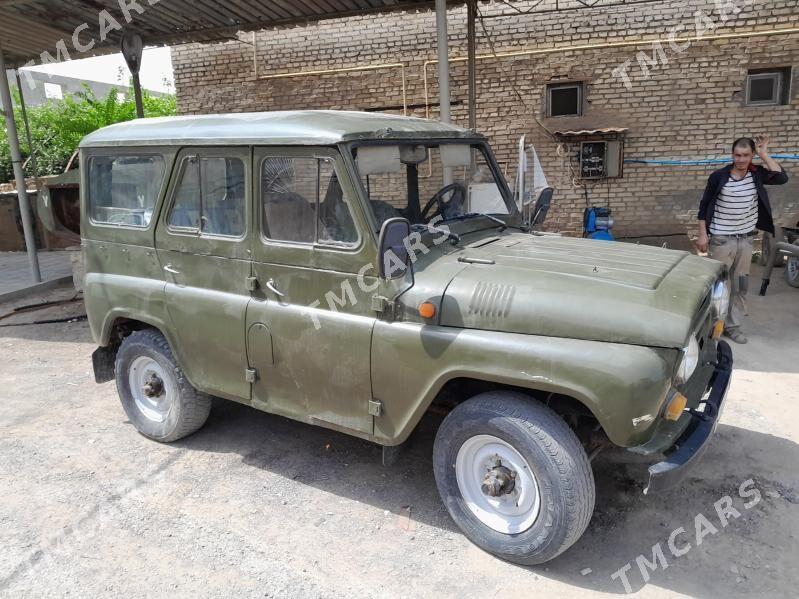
<point x="256" y="505"/>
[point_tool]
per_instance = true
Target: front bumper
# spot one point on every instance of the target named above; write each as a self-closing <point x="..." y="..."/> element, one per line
<point x="695" y="440"/>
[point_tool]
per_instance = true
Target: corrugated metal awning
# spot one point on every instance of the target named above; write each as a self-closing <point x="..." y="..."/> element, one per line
<point x="582" y="132"/>
<point x="30" y="27"/>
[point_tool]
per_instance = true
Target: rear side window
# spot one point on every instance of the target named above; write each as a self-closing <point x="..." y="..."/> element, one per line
<point x="123" y="189"/>
<point x="209" y="197"/>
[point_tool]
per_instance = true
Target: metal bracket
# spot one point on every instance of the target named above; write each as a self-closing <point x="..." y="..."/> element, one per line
<point x="375" y="407"/>
<point x="251" y="283"/>
<point x="250" y="375"/>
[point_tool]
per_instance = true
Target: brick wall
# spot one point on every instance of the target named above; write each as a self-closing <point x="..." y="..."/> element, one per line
<point x="689" y="108"/>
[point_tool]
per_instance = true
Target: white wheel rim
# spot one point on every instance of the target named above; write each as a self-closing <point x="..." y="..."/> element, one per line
<point x="510" y="513"/>
<point x="154" y="406"/>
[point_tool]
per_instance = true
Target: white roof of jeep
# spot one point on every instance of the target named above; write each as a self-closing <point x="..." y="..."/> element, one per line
<point x="295" y="127"/>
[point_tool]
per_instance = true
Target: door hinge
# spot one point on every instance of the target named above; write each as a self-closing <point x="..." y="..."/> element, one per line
<point x="251" y="283"/>
<point x="379" y="303"/>
<point x="375" y="407"/>
<point x="250" y="375"/>
<point x="384" y="306"/>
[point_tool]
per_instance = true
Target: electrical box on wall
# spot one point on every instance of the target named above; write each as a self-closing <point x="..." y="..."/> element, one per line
<point x="598" y="152"/>
<point x="600" y="159"/>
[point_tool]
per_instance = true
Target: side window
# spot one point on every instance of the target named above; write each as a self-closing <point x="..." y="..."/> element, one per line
<point x="123" y="189"/>
<point x="209" y="197"/>
<point x="303" y="202"/>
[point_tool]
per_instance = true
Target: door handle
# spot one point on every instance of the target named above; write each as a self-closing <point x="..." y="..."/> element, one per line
<point x="168" y="268"/>
<point x="270" y="285"/>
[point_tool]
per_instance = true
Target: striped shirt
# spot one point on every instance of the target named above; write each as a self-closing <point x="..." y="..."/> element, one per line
<point x="736" y="207"/>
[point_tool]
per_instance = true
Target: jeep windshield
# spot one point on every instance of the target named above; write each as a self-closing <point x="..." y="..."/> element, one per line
<point x="431" y="182"/>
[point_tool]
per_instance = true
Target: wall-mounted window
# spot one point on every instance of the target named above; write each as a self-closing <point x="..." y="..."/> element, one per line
<point x="565" y="99"/>
<point x="768" y="87"/>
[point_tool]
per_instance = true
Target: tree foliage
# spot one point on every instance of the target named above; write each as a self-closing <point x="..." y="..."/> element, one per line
<point x="58" y="126"/>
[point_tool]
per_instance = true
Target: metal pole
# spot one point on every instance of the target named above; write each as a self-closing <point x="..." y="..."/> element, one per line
<point x="471" y="16"/>
<point x="19" y="175"/>
<point x="443" y="60"/>
<point x="137" y="96"/>
<point x="34" y="164"/>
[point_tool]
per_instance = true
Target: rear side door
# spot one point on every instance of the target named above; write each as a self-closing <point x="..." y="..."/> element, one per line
<point x="310" y="320"/>
<point x="202" y="240"/>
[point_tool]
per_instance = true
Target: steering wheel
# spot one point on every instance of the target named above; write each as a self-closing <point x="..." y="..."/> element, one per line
<point x="445" y="209"/>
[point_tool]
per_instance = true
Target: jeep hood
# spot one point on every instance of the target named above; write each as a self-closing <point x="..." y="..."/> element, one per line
<point x="578" y="288"/>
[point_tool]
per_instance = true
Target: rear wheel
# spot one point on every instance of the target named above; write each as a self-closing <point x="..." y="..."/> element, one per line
<point x="514" y="477"/>
<point x="791" y="272"/>
<point x="154" y="392"/>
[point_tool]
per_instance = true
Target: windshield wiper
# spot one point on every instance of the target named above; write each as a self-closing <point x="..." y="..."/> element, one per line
<point x="499" y="221"/>
<point x="453" y="237"/>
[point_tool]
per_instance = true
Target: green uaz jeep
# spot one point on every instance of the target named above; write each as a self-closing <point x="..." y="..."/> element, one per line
<point x="356" y="271"/>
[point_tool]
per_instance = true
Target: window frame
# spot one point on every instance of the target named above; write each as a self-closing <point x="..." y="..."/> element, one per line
<point x="114" y="155"/>
<point x="339" y="170"/>
<point x="783" y="88"/>
<point x="481" y="142"/>
<point x="180" y="168"/>
<point x="579" y="85"/>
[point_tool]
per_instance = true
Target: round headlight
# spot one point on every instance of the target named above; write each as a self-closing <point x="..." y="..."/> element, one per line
<point x="690" y="360"/>
<point x="721" y="300"/>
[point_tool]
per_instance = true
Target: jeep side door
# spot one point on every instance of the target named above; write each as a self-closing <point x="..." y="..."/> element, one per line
<point x="309" y="324"/>
<point x="202" y="241"/>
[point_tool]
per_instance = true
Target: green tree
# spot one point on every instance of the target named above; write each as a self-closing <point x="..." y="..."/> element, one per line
<point x="58" y="126"/>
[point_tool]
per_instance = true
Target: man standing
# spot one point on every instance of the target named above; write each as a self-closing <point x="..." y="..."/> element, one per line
<point x="734" y="204"/>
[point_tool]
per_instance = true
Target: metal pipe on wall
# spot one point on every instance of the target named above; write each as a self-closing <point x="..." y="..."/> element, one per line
<point x="371" y="67"/>
<point x="442" y="43"/>
<point x="19" y="175"/>
<point x="471" y="42"/>
<point x="597" y="46"/>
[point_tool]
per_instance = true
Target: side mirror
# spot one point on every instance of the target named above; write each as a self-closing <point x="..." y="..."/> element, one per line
<point x="393" y="255"/>
<point x="541" y="206"/>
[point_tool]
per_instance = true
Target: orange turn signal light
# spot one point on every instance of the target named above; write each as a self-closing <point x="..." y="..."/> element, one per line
<point x="675" y="406"/>
<point x="427" y="309"/>
<point x="718" y="329"/>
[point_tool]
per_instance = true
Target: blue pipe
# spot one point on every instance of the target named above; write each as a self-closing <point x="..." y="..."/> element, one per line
<point x="700" y="161"/>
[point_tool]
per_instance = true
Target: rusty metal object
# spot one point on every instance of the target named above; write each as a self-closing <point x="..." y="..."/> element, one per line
<point x="498" y="481"/>
<point x="154" y="386"/>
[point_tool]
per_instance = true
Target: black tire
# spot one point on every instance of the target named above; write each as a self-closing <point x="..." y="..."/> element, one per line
<point x="791" y="272"/>
<point x="188" y="408"/>
<point x="554" y="455"/>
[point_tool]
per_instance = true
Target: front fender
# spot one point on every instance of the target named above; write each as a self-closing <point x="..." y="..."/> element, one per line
<point x="624" y="386"/>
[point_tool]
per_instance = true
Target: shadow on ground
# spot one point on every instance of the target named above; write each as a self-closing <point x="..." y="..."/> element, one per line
<point x="625" y="523"/>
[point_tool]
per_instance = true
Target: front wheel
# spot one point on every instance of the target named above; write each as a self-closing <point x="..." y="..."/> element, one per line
<point x="514" y="477"/>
